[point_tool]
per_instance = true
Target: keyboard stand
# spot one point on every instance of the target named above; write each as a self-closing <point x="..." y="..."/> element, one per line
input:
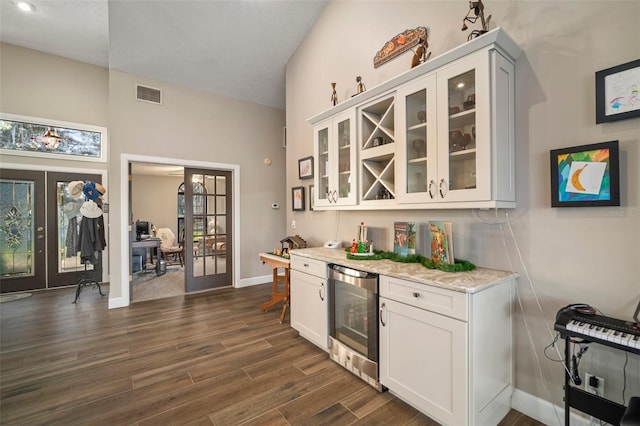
<point x="594" y="405"/>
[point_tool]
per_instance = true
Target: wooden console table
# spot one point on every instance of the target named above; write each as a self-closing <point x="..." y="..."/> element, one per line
<point x="276" y="295"/>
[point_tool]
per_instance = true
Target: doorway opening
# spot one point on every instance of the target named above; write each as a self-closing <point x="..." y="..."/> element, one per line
<point x="203" y="221"/>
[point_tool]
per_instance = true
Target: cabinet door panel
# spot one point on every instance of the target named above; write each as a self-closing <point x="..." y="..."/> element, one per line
<point x="309" y="307"/>
<point x="423" y="360"/>
<point x="417" y="142"/>
<point x="464" y="167"/>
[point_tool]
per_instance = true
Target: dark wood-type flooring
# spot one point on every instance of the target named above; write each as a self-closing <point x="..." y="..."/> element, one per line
<point x="205" y="359"/>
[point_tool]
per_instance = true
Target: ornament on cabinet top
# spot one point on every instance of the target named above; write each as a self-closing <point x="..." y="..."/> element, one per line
<point x="334" y="95"/>
<point x="421" y="55"/>
<point x="478" y="10"/>
<point x="400" y="44"/>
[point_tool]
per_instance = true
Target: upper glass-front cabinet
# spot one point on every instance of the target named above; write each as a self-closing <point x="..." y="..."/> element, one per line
<point x="441" y="134"/>
<point x="336" y="158"/>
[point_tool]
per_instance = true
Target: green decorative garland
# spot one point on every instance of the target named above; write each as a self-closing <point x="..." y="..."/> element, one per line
<point x="460" y="265"/>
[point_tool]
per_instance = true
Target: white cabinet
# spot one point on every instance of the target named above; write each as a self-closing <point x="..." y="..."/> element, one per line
<point x="309" y="302"/>
<point x="335" y="155"/>
<point x="458" y="134"/>
<point x="448" y="353"/>
<point x="441" y="135"/>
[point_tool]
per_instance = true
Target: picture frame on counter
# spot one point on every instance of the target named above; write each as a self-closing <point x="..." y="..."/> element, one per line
<point x="305" y="168"/>
<point x="297" y="198"/>
<point x="618" y="92"/>
<point x="585" y="175"/>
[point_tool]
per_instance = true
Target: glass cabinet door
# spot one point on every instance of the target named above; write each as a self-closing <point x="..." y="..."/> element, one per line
<point x="463" y="95"/>
<point x="345" y="183"/>
<point x="322" y="156"/>
<point x="462" y="131"/>
<point x="335" y="159"/>
<point x="418" y="150"/>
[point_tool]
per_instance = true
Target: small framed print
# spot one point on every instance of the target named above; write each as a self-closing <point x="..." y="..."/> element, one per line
<point x="585" y="176"/>
<point x="311" y="196"/>
<point x="618" y="92"/>
<point x="297" y="198"/>
<point x="305" y="168"/>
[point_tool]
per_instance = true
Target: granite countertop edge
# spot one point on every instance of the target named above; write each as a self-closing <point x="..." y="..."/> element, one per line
<point x="466" y="282"/>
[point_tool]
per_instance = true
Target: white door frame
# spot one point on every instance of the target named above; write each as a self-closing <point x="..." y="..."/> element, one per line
<point x="125" y="259"/>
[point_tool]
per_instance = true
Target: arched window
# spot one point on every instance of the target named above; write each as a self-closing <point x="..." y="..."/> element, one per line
<point x="199" y="206"/>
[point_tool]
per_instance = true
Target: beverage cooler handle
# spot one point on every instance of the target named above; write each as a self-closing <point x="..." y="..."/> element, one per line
<point x="381" y="320"/>
<point x="320" y="291"/>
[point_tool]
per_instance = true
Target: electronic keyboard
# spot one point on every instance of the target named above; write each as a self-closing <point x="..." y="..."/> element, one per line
<point x="616" y="333"/>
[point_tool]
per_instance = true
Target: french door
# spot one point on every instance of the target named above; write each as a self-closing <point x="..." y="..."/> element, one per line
<point x="38" y="231"/>
<point x="208" y="229"/>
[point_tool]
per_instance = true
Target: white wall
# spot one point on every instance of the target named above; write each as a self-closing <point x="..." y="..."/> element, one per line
<point x="197" y="127"/>
<point x="568" y="255"/>
<point x="155" y="199"/>
<point x="189" y="127"/>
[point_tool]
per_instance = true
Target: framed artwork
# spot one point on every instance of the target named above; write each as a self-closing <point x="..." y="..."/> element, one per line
<point x="305" y="168"/>
<point x="618" y="92"/>
<point x="297" y="198"/>
<point x="40" y="137"/>
<point x="585" y="176"/>
<point x="311" y="196"/>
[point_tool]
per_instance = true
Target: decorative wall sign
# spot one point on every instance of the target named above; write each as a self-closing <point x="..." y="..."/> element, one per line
<point x="38" y="137"/>
<point x="618" y="92"/>
<point x="400" y="44"/>
<point x="586" y="175"/>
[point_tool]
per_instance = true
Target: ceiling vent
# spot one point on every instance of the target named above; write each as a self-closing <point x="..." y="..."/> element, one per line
<point x="148" y="94"/>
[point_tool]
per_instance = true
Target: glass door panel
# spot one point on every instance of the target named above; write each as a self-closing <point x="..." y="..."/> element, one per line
<point x="462" y="131"/>
<point x="344" y="159"/>
<point x="22" y="222"/>
<point x="416" y="141"/>
<point x="63" y="221"/>
<point x="323" y="163"/>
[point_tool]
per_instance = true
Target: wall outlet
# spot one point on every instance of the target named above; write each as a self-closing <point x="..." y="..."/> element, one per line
<point x="594" y="384"/>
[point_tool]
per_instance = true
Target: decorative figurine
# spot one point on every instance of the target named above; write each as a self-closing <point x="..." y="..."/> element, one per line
<point x="334" y="95"/>
<point x="361" y="87"/>
<point x="478" y="10"/>
<point x="420" y="56"/>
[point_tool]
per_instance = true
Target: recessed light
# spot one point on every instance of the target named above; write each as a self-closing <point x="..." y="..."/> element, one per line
<point x="460" y="85"/>
<point x="26" y="6"/>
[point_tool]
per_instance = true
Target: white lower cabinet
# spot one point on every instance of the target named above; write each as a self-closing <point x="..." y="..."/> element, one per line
<point x="448" y="353"/>
<point x="309" y="302"/>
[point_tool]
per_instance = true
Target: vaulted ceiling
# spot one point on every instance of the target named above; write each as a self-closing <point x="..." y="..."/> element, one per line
<point x="235" y="48"/>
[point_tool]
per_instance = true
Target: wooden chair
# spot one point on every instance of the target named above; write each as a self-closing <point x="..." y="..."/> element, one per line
<point x="170" y="247"/>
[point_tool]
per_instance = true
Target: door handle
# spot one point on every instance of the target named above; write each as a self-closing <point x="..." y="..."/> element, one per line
<point x="39" y="236"/>
<point x="431" y="184"/>
<point x="40" y="228"/>
<point x="320" y="291"/>
<point x="442" y="184"/>
<point x="381" y="319"/>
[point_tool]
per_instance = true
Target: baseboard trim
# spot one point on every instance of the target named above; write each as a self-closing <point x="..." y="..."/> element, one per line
<point x="247" y="282"/>
<point x="118" y="302"/>
<point x="542" y="410"/>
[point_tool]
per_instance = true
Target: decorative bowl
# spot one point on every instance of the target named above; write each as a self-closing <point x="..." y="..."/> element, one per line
<point x="422" y="116"/>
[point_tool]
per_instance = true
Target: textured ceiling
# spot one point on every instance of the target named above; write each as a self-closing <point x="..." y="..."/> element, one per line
<point x="235" y="48"/>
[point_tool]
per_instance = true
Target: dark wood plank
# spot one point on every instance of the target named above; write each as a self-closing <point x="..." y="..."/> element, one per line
<point x="211" y="358"/>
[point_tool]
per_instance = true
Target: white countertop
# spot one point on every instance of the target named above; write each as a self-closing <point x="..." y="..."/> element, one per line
<point x="466" y="282"/>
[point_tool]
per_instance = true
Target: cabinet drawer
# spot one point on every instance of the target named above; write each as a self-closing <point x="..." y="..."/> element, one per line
<point x="309" y="266"/>
<point x="446" y="302"/>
